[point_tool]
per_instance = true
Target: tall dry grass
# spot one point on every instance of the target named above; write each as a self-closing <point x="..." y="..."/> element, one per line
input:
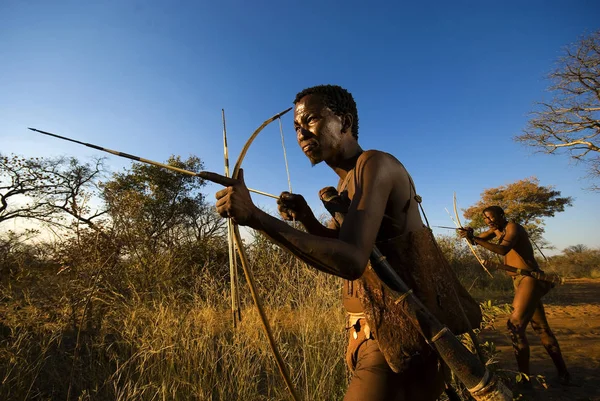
<point x="126" y="328"/>
<point x="81" y="319"/>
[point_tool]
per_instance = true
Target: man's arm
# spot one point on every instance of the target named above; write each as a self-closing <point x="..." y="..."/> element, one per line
<point x="508" y="242"/>
<point x="486" y="236"/>
<point x="345" y="256"/>
<point x="315" y="227"/>
<point x="468" y="234"/>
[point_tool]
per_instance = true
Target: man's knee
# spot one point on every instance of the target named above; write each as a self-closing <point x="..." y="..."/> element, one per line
<point x="516" y="329"/>
<point x="540" y="329"/>
<point x="516" y="326"/>
<point x="546" y="336"/>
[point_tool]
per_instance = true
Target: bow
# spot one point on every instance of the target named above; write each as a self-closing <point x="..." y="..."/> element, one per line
<point x="246" y="266"/>
<point x="459" y="225"/>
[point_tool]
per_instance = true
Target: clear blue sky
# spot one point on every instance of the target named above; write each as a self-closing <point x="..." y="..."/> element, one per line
<point x="444" y="86"/>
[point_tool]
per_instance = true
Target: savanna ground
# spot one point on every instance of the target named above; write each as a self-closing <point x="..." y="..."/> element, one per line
<point x="573" y="312"/>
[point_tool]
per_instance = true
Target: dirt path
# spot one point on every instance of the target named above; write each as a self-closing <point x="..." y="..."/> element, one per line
<point x="573" y="312"/>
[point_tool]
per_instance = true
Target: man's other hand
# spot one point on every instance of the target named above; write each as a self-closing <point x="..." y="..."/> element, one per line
<point x="292" y="207"/>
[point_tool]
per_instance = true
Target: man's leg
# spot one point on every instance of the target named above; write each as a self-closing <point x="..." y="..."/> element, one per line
<point x="526" y="300"/>
<point x="372" y="376"/>
<point x="374" y="380"/>
<point x="540" y="325"/>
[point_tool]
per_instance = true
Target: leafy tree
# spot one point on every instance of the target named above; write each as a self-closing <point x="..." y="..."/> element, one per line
<point x="148" y="203"/>
<point x="525" y="202"/>
<point x="570" y="121"/>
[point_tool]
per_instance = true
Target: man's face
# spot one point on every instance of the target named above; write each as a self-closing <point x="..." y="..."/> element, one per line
<point x="318" y="129"/>
<point x="493" y="220"/>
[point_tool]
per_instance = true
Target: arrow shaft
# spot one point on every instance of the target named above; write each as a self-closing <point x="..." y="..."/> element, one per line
<point x="142" y="160"/>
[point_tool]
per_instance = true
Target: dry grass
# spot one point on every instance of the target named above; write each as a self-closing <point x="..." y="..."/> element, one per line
<point x="113" y="340"/>
<point x="158" y="327"/>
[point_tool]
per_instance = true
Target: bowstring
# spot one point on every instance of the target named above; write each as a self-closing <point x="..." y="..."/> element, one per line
<point x="287" y="169"/>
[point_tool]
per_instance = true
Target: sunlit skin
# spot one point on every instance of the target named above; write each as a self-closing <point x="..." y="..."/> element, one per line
<point x="320" y="134"/>
<point x="499" y="227"/>
<point x="385" y="188"/>
<point x="516" y="248"/>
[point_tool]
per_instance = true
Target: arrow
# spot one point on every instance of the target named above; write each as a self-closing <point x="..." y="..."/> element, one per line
<point x="201" y="174"/>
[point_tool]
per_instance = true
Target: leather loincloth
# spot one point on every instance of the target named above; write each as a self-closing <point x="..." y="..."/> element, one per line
<point x="424" y="269"/>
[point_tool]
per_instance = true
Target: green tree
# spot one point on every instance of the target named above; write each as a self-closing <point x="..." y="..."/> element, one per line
<point x="159" y="207"/>
<point x="524" y="202"/>
<point x="570" y="121"/>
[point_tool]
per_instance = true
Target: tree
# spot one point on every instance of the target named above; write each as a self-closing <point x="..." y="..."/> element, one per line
<point x="48" y="190"/>
<point x="576" y="261"/>
<point x="159" y="207"/>
<point x="144" y="202"/>
<point x="570" y="121"/>
<point x="579" y="248"/>
<point x="524" y="202"/>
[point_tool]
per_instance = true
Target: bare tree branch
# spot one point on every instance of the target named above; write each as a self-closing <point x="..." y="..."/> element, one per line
<point x="571" y="121"/>
<point x="47" y="190"/>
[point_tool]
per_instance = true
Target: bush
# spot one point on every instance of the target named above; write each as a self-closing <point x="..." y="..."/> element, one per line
<point x="577" y="261"/>
<point x="480" y="284"/>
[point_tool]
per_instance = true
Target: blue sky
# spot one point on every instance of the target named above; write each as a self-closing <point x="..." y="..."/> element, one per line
<point x="444" y="86"/>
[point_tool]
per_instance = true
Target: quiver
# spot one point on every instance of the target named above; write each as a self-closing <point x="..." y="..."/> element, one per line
<point x="424" y="269"/>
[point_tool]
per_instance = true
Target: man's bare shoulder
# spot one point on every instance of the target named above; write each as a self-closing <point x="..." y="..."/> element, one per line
<point x="380" y="158"/>
<point x="512" y="226"/>
<point x="382" y="170"/>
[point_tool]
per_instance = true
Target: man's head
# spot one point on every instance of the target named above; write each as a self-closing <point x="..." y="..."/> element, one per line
<point x="325" y="118"/>
<point x="494" y="217"/>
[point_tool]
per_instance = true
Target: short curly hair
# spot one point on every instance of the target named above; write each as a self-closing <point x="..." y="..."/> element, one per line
<point x="338" y="99"/>
<point x="497" y="210"/>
